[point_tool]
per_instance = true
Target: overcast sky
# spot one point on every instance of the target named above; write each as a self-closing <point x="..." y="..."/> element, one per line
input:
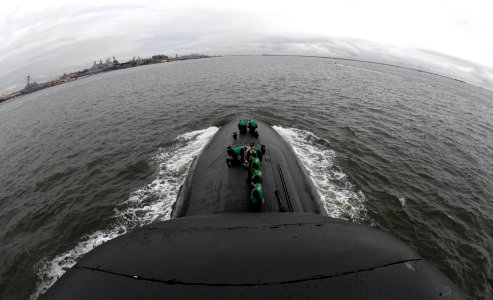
<point x="49" y="37"/>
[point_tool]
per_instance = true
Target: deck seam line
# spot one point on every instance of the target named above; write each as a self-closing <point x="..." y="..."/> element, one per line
<point x="320" y="277"/>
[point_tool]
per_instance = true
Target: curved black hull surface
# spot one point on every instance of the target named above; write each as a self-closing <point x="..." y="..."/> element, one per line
<point x="213" y="187"/>
<point x="217" y="250"/>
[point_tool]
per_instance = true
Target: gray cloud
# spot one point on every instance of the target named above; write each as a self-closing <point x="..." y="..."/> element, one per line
<point x="421" y="59"/>
<point x="68" y="38"/>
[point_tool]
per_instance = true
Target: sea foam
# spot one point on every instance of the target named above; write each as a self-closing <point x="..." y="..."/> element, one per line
<point x="154" y="201"/>
<point x="146" y="205"/>
<point x="339" y="196"/>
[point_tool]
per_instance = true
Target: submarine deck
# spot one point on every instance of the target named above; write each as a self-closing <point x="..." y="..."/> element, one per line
<point x="213" y="187"/>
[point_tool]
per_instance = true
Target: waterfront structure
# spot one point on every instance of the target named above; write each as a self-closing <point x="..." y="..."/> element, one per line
<point x="108" y="65"/>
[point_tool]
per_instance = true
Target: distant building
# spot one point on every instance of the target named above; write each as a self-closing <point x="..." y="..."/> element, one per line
<point x="159" y="58"/>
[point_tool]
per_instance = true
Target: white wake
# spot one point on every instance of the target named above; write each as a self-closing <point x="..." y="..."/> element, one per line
<point x="154" y="201"/>
<point x="146" y="205"/>
<point x="338" y="195"/>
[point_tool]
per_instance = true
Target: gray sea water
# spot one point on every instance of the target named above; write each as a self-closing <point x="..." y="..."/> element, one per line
<point x="401" y="150"/>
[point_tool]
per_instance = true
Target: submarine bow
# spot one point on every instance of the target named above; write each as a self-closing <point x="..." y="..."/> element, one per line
<point x="214" y="248"/>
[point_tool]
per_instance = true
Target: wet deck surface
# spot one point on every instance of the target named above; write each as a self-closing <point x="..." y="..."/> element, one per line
<point x="213" y="187"/>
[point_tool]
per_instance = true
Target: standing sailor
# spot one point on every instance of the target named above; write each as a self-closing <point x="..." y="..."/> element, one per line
<point x="257" y="151"/>
<point x="253" y="161"/>
<point x="257" y="173"/>
<point x="256" y="196"/>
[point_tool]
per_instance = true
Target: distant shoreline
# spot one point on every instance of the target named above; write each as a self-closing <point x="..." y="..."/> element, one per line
<point x="149" y="61"/>
<point x="108" y="66"/>
<point x="364" y="61"/>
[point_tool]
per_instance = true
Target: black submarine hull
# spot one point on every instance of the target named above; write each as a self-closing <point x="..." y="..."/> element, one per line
<point x="214" y="187"/>
<point x="220" y="251"/>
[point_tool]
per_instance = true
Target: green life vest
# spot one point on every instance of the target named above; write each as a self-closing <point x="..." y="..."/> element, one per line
<point x="242" y="123"/>
<point x="257" y="174"/>
<point x="237" y="150"/>
<point x="249" y="153"/>
<point x="256" y="161"/>
<point x="253" y="123"/>
<point x="257" y="194"/>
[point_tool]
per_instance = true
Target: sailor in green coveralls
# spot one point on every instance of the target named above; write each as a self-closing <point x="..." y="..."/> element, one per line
<point x="252" y="126"/>
<point x="257" y="195"/>
<point x="240" y="153"/>
<point x="256" y="173"/>
<point x="236" y="155"/>
<point x="257" y="151"/>
<point x="242" y="126"/>
<point x="253" y="161"/>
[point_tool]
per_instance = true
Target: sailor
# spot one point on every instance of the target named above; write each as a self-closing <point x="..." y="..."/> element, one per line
<point x="256" y="173"/>
<point x="253" y="160"/>
<point x="251" y="150"/>
<point x="240" y="153"/>
<point x="242" y="126"/>
<point x="236" y="155"/>
<point x="256" y="196"/>
<point x="252" y="125"/>
<point x="257" y="151"/>
<point x="231" y="156"/>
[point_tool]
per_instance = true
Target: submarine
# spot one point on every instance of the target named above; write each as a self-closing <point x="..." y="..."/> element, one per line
<point x="214" y="247"/>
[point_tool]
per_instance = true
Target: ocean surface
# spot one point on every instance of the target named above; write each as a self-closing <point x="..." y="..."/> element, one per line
<point x="404" y="151"/>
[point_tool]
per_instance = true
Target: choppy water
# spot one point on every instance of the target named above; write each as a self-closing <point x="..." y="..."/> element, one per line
<point x="404" y="151"/>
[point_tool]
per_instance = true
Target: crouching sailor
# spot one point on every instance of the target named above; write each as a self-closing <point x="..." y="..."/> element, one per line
<point x="257" y="195"/>
<point x="242" y="126"/>
<point x="236" y="155"/>
<point x="252" y="126"/>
